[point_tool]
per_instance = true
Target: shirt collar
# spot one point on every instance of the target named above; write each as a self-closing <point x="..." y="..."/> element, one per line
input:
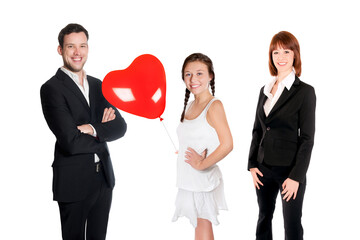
<point x="287" y="82"/>
<point x="268" y="87"/>
<point x="73" y="76"/>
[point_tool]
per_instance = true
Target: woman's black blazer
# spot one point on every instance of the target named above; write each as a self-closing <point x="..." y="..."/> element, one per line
<point x="286" y="136"/>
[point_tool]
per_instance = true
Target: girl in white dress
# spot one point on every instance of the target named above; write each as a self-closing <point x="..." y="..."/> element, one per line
<point x="204" y="139"/>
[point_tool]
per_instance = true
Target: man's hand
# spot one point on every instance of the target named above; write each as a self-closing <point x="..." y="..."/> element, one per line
<point x="86" y="129"/>
<point x="109" y="115"/>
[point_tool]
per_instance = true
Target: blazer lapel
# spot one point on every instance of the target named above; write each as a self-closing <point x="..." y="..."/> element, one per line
<point x="262" y="101"/>
<point x="92" y="98"/>
<point x="286" y="94"/>
<point x="69" y="83"/>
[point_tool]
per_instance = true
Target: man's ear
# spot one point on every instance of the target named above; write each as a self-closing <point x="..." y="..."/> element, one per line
<point x="59" y="49"/>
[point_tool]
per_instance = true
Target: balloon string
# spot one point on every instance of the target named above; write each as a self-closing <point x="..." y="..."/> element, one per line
<point x="161" y="120"/>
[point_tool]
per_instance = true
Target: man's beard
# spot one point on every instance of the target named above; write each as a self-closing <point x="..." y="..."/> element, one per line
<point x="75" y="70"/>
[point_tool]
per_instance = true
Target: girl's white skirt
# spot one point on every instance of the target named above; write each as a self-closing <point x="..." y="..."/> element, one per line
<point x="205" y="205"/>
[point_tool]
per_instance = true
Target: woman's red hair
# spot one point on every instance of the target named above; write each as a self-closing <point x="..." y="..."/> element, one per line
<point x="285" y="40"/>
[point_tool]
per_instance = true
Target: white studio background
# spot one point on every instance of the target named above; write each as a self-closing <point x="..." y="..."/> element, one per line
<point x="236" y="36"/>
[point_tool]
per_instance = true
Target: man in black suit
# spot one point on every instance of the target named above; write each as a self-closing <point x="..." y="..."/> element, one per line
<point x="82" y="122"/>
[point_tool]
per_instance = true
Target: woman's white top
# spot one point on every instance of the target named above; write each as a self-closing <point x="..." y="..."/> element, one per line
<point x="271" y="100"/>
<point x="199" y="135"/>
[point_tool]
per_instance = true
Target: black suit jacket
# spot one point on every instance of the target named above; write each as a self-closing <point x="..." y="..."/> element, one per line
<point x="286" y="136"/>
<point x="64" y="108"/>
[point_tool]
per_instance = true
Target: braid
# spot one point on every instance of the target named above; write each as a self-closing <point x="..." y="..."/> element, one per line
<point x="212" y="84"/>
<point x="187" y="95"/>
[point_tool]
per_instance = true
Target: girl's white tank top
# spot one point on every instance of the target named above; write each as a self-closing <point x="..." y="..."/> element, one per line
<point x="199" y="135"/>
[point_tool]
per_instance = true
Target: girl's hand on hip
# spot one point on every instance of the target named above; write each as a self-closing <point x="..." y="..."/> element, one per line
<point x="195" y="159"/>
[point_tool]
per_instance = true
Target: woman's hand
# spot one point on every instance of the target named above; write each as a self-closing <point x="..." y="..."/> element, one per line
<point x="290" y="189"/>
<point x="195" y="159"/>
<point x="254" y="173"/>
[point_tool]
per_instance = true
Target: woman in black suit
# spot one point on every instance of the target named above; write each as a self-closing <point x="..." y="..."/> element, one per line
<point x="282" y="139"/>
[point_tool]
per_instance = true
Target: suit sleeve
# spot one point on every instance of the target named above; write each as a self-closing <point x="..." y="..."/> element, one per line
<point x="62" y="124"/>
<point x="111" y="130"/>
<point x="306" y="138"/>
<point x="256" y="138"/>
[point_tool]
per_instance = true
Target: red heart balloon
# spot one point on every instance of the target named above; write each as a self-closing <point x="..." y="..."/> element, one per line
<point x="139" y="89"/>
